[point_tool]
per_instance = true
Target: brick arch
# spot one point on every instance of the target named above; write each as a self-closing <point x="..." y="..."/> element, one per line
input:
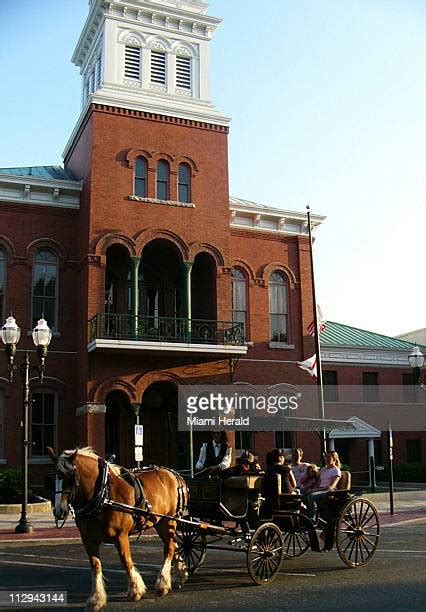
<point x="132" y="154"/>
<point x="8" y="246"/>
<point x="158" y="155"/>
<point x="239" y="263"/>
<point x="203" y="247"/>
<point x="103" y="243"/>
<point x="187" y="160"/>
<point x="98" y="394"/>
<point x="147" y="379"/>
<point x="48" y="243"/>
<point x="147" y="236"/>
<point x="272" y="267"/>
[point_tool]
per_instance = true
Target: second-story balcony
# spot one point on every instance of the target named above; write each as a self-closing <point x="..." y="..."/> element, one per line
<point x="166" y="334"/>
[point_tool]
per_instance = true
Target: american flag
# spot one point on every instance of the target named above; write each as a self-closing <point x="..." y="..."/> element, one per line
<point x="311" y="327"/>
<point x="321" y="323"/>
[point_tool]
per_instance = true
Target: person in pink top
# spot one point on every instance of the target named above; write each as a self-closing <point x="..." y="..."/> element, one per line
<point x="327" y="481"/>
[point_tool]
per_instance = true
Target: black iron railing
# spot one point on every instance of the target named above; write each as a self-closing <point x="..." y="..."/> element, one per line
<point x="165" y="329"/>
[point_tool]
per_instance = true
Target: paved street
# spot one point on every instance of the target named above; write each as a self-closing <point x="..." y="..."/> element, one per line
<point x="395" y="579"/>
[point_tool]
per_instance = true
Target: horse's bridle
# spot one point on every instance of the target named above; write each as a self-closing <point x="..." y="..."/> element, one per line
<point x="73" y="482"/>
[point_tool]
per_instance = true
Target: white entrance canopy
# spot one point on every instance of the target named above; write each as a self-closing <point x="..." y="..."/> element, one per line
<point x="361" y="429"/>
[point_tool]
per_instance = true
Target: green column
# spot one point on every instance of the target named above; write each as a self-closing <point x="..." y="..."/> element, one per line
<point x="187" y="267"/>
<point x="134" y="294"/>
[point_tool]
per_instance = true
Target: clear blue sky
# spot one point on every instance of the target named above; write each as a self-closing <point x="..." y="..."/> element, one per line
<point x="328" y="101"/>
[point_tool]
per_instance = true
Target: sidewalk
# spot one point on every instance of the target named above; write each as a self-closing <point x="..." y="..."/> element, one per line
<point x="408" y="506"/>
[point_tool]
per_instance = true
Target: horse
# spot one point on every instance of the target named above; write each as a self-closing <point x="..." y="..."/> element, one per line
<point x="91" y="486"/>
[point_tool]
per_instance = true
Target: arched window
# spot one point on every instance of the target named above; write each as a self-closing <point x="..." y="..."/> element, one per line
<point x="278" y="307"/>
<point x="2" y="284"/>
<point x="239" y="297"/>
<point x="141" y="173"/>
<point x="163" y="180"/>
<point x="45" y="275"/>
<point x="43" y="422"/>
<point x="184" y="183"/>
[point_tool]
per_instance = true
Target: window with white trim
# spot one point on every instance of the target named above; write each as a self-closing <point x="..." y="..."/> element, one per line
<point x="158" y="67"/>
<point x="132" y="63"/>
<point x="278" y="307"/>
<point x="2" y="284"/>
<point x="239" y="297"/>
<point x="45" y="276"/>
<point x="141" y="174"/>
<point x="43" y="422"/>
<point x="183" y="72"/>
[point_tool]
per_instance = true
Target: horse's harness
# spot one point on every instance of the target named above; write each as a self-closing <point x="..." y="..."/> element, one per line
<point x="101" y="497"/>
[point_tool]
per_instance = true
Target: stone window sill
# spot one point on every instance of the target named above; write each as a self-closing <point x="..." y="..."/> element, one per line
<point x="281" y="345"/>
<point x="39" y="461"/>
<point x="134" y="198"/>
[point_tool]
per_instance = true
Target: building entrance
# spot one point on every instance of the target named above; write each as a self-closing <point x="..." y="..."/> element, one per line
<point x="119" y="421"/>
<point x="163" y="443"/>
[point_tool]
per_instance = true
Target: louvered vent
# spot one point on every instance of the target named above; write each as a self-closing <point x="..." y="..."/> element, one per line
<point x="132" y="63"/>
<point x="98" y="72"/>
<point x="158" y="67"/>
<point x="183" y="72"/>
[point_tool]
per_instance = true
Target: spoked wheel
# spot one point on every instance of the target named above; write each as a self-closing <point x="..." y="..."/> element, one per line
<point x="192" y="547"/>
<point x="296" y="543"/>
<point x="357" y="532"/>
<point x="265" y="553"/>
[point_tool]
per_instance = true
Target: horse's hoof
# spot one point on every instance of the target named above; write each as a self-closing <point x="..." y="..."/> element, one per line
<point x="162" y="591"/>
<point x="134" y="596"/>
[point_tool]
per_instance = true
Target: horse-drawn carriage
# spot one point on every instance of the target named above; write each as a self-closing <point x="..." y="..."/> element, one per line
<point x="111" y="502"/>
<point x="231" y="515"/>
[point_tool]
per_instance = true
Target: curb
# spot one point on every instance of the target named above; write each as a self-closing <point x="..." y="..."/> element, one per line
<point x="14" y="543"/>
<point x="45" y="506"/>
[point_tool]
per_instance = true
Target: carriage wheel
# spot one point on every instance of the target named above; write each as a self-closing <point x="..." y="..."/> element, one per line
<point x="357" y="532"/>
<point x="192" y="547"/>
<point x="265" y="553"/>
<point x="296" y="544"/>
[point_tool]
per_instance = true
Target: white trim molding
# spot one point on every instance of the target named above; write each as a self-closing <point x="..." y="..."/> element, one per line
<point x="90" y="408"/>
<point x="166" y="347"/>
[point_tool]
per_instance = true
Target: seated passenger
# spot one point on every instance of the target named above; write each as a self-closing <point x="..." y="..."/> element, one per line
<point x="215" y="455"/>
<point x="327" y="481"/>
<point x="309" y="481"/>
<point x="298" y="467"/>
<point x="278" y="479"/>
<point x="245" y="464"/>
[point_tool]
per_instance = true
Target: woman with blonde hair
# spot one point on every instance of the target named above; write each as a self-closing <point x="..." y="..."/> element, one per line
<point x="328" y="478"/>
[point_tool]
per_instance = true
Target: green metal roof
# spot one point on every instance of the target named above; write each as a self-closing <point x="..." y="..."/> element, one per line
<point x="338" y="334"/>
<point x="43" y="172"/>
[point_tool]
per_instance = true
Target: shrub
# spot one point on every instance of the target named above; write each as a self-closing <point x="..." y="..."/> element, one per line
<point x="10" y="483"/>
<point x="406" y="472"/>
<point x="345" y="467"/>
<point x="409" y="472"/>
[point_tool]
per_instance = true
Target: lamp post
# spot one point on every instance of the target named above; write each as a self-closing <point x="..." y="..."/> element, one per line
<point x="416" y="360"/>
<point x="10" y="335"/>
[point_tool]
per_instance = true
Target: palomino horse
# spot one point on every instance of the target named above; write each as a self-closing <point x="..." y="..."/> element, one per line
<point x="89" y="484"/>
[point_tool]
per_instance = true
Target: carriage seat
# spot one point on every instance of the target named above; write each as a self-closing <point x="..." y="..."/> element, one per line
<point x="250" y="481"/>
<point x="344" y="482"/>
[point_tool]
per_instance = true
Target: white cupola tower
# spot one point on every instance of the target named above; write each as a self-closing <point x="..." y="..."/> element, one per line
<point x="148" y="55"/>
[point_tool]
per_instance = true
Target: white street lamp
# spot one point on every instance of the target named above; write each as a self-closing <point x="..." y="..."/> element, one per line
<point x="10" y="335"/>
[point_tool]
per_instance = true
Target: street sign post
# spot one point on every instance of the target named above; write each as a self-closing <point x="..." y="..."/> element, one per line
<point x="138" y="444"/>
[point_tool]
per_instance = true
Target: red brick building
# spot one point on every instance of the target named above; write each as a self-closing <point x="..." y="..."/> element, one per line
<point x="148" y="272"/>
<point x="143" y="266"/>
